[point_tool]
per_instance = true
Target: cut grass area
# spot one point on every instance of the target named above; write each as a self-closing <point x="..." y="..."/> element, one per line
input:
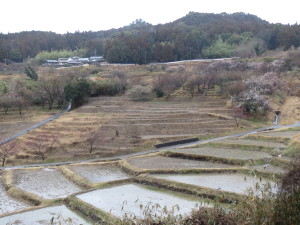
<point x="210" y="158"/>
<point x="261" y="137"/>
<point x="137" y="171"/>
<point x="236" y="146"/>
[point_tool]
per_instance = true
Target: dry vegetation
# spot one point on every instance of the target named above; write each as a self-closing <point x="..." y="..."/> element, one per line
<point x="195" y="103"/>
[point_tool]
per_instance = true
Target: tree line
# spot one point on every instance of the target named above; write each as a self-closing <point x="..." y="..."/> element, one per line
<point x="197" y="35"/>
<point x="51" y="91"/>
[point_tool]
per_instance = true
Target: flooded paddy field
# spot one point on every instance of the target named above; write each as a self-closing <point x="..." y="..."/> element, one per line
<point x="237" y="183"/>
<point x="99" y="173"/>
<point x="133" y="199"/>
<point x="47" y="183"/>
<point x="224" y="153"/>
<point x="160" y="162"/>
<point x="8" y="204"/>
<point x="60" y="214"/>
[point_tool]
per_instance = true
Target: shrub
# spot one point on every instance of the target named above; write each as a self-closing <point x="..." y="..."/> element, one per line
<point x="3" y="87"/>
<point x="139" y="93"/>
<point x="287" y="205"/>
<point x="31" y="73"/>
<point x="109" y="87"/>
<point x="168" y="83"/>
<point x="253" y="102"/>
<point x="159" y="92"/>
<point x="78" y="92"/>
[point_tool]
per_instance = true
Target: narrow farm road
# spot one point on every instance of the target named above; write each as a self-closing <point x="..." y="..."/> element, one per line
<point x="37" y="125"/>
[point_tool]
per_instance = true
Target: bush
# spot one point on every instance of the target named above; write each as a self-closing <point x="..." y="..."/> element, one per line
<point x="78" y="92"/>
<point x="254" y="102"/>
<point x="3" y="87"/>
<point x="140" y="93"/>
<point x="287" y="205"/>
<point x="159" y="92"/>
<point x="169" y="83"/>
<point x="109" y="87"/>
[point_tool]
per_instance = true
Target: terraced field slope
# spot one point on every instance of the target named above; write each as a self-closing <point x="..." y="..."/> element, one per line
<point x="126" y="126"/>
<point x="112" y="189"/>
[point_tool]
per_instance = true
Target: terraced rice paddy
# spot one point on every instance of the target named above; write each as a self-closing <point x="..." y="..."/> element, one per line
<point x="167" y="163"/>
<point x="8" y="204"/>
<point x="133" y="199"/>
<point x="99" y="173"/>
<point x="137" y="124"/>
<point x="280" y="134"/>
<point x="57" y="214"/>
<point x="237" y="183"/>
<point x="269" y="144"/>
<point x="46" y="183"/>
<point x="269" y="169"/>
<point x="225" y="153"/>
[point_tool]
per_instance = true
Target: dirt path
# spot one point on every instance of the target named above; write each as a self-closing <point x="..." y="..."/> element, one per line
<point x="37" y="125"/>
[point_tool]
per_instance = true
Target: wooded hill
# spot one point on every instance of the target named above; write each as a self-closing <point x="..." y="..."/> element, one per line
<point x="197" y="35"/>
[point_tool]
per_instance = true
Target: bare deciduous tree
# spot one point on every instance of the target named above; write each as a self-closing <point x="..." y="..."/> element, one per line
<point x="8" y="149"/>
<point x="43" y="144"/>
<point x="239" y="113"/>
<point x="91" y="138"/>
<point x="5" y="102"/>
<point x="52" y="88"/>
<point x="190" y="86"/>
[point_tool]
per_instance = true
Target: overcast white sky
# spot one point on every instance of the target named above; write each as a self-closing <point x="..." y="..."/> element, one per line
<point x="64" y="16"/>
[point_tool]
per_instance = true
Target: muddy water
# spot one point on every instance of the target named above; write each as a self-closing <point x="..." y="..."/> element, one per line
<point x="60" y="215"/>
<point x="46" y="183"/>
<point x="7" y="204"/>
<point x="130" y="198"/>
<point x="238" y="183"/>
<point x="99" y="174"/>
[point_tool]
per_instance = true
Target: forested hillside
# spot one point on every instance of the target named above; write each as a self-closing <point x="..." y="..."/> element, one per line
<point x="197" y="35"/>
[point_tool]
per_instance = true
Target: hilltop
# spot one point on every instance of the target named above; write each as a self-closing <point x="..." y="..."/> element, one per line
<point x="196" y="35"/>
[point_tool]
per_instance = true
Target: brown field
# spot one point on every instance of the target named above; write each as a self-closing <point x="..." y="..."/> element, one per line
<point x="139" y="125"/>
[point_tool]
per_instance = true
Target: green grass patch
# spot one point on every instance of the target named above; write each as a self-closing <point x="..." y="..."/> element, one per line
<point x="293" y="150"/>
<point x="290" y="129"/>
